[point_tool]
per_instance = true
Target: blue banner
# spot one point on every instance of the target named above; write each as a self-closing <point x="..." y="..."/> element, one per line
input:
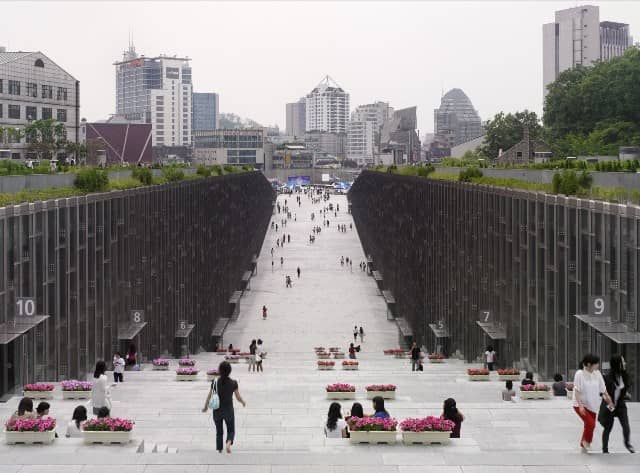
<point x="299" y="181"/>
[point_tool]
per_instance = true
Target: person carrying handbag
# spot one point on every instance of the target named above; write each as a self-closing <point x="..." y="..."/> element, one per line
<point x="617" y="383"/>
<point x="220" y="401"/>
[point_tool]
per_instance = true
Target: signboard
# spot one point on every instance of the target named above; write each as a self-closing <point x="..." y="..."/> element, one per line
<point x="182" y="324"/>
<point x="25" y="306"/>
<point x="299" y="181"/>
<point x="484" y="316"/>
<point x="598" y="306"/>
<point x="326" y="178"/>
<point x="137" y="316"/>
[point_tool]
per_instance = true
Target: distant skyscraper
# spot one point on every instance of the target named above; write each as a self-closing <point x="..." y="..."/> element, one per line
<point x="156" y="90"/>
<point x="456" y="121"/>
<point x="327" y="108"/>
<point x="363" y="133"/>
<point x="296" y="118"/>
<point x="205" y="111"/>
<point x="579" y="38"/>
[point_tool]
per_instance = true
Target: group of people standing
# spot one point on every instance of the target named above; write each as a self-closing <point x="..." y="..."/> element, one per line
<point x="257" y="353"/>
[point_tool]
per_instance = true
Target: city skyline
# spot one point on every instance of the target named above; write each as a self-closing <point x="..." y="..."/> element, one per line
<point x="476" y="56"/>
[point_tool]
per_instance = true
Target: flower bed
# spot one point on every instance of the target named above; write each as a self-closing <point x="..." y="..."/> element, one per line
<point x="536" y="391"/>
<point x="107" y="431"/>
<point x="509" y="374"/>
<point x="186" y="374"/>
<point x="394" y="351"/>
<point x="386" y="391"/>
<point x="435" y="358"/>
<point x="30" y="431"/>
<point x="212" y="374"/>
<point x="338" y="355"/>
<point x="221" y="352"/>
<point x="73" y="389"/>
<point x="186" y="362"/>
<point x="325" y="365"/>
<point x="317" y="349"/>
<point x="232" y="358"/>
<point x="341" y="391"/>
<point x="160" y="364"/>
<point x="39" y="390"/>
<point x="426" y="431"/>
<point x="350" y="365"/>
<point x="323" y="355"/>
<point x="372" y="430"/>
<point x="334" y="349"/>
<point x="478" y="374"/>
<point x="234" y="351"/>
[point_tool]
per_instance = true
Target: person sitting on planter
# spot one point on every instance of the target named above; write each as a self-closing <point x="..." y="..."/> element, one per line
<point x="451" y="412"/>
<point x="559" y="387"/>
<point x="42" y="409"/>
<point x="528" y="379"/>
<point x="378" y="406"/>
<point x="74" y="427"/>
<point x="508" y="394"/>
<point x="25" y="409"/>
<point x="104" y="413"/>
<point x="335" y="427"/>
<point x="356" y="411"/>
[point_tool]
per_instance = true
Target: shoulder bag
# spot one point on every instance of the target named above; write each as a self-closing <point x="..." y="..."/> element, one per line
<point x="214" y="400"/>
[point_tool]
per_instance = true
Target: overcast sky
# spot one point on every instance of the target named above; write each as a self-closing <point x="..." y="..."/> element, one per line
<point x="260" y="55"/>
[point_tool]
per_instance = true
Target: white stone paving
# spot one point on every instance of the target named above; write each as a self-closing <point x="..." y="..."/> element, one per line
<point x="280" y="430"/>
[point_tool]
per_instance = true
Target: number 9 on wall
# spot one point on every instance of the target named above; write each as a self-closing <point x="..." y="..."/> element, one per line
<point x="598" y="306"/>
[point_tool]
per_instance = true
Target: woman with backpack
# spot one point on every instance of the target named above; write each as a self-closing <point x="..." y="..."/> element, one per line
<point x="220" y="401"/>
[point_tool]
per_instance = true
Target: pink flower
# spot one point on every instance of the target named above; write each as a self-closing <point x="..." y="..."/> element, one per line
<point x="341" y="388"/>
<point x="187" y="371"/>
<point x="509" y="371"/>
<point x="428" y="424"/>
<point x="477" y="371"/>
<point x="187" y="362"/>
<point x="160" y="362"/>
<point x="381" y="387"/>
<point x="213" y="372"/>
<point x="534" y="387"/>
<point x="109" y="424"/>
<point x="39" y="387"/>
<point x="74" y="385"/>
<point x="372" y="424"/>
<point x="44" y="424"/>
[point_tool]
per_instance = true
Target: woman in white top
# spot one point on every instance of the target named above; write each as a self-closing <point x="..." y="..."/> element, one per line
<point x="335" y="427"/>
<point x="74" y="427"/>
<point x="589" y="391"/>
<point x="100" y="389"/>
<point x="490" y="357"/>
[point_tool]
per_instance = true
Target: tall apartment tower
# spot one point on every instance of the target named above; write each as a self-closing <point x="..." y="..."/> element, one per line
<point x="296" y="118"/>
<point x="205" y="111"/>
<point x="577" y="38"/>
<point x="327" y="108"/>
<point x="363" y="134"/>
<point x="156" y="90"/>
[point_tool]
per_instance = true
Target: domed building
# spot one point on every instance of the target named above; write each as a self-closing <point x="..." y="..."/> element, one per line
<point x="456" y="121"/>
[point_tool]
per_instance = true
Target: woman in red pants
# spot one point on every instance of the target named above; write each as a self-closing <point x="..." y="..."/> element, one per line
<point x="589" y="391"/>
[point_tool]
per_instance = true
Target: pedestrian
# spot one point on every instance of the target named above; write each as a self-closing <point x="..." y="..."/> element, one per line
<point x="261" y="354"/>
<point x="252" y="356"/>
<point x="508" y="394"/>
<point x="264" y="312"/>
<point x="77" y="419"/>
<point x="118" y="368"/>
<point x="272" y="224"/>
<point x="222" y="390"/>
<point x="352" y="351"/>
<point x="351" y="265"/>
<point x="617" y="382"/>
<point x="289" y="238"/>
<point x="272" y="251"/>
<point x="361" y="333"/>
<point x="342" y="261"/>
<point x="351" y="226"/>
<point x="276" y="227"/>
<point x="272" y="266"/>
<point x="355" y="333"/>
<point x="451" y="412"/>
<point x="298" y="271"/>
<point x="100" y="396"/>
<point x="415" y="357"/>
<point x="490" y="357"/>
<point x="281" y="261"/>
<point x="588" y="390"/>
<point x="278" y="242"/>
<point x="288" y="281"/>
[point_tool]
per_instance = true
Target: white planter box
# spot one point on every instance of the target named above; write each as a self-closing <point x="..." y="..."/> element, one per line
<point x="76" y="394"/>
<point x="160" y="368"/>
<point x="186" y="377"/>
<point x="38" y="394"/>
<point x="400" y="355"/>
<point x="382" y="394"/>
<point x="570" y="394"/>
<point x="211" y="377"/>
<point x="478" y="377"/>
<point x="435" y="360"/>
<point x="373" y="437"/>
<point x="535" y="394"/>
<point x="341" y="395"/>
<point x="338" y="356"/>
<point x="425" y="438"/>
<point x="509" y="377"/>
<point x="350" y="367"/>
<point x="107" y="437"/>
<point x="30" y="437"/>
<point x="325" y="368"/>
<point x="323" y="357"/>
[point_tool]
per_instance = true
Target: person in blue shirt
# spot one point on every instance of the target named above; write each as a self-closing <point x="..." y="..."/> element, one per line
<point x="378" y="407"/>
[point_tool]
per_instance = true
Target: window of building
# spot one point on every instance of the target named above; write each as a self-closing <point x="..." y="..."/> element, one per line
<point x="1" y="86"/>
<point x="14" y="87"/>
<point x="518" y="154"/>
<point x="47" y="91"/>
<point x="32" y="89"/>
<point x="47" y="113"/>
<point x="13" y="111"/>
<point x="0" y="115"/>
<point x="31" y="113"/>
<point x="39" y="63"/>
<point x="173" y="73"/>
<point x="62" y="94"/>
<point x="61" y="114"/>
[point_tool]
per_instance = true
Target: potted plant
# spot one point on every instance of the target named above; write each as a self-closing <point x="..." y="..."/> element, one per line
<point x="478" y="374"/>
<point x="29" y="431"/>
<point x="386" y="391"/>
<point x="334" y="349"/>
<point x="107" y="431"/>
<point x="350" y="365"/>
<point x="324" y="365"/>
<point x="317" y="349"/>
<point x="535" y="391"/>
<point x="426" y="431"/>
<point x="569" y="388"/>
<point x="160" y="364"/>
<point x="234" y="351"/>
<point x="212" y="374"/>
<point x="73" y="389"/>
<point x="221" y="351"/>
<point x="232" y="358"/>
<point x="435" y="358"/>
<point x="372" y="430"/>
<point x="509" y="374"/>
<point x="186" y="362"/>
<point x="187" y="373"/>
<point x="38" y="390"/>
<point x="389" y="351"/>
<point x="323" y="355"/>
<point x="341" y="391"/>
<point x="338" y="355"/>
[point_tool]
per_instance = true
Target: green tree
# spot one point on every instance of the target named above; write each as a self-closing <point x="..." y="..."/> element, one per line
<point x="504" y="131"/>
<point x="45" y="137"/>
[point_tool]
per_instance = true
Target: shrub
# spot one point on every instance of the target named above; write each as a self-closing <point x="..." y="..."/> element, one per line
<point x="216" y="170"/>
<point x="173" y="174"/>
<point x="144" y="175"/>
<point x="568" y="182"/>
<point x="391" y="169"/>
<point x="203" y="171"/>
<point x="469" y="174"/>
<point x="229" y="169"/>
<point x="92" y="180"/>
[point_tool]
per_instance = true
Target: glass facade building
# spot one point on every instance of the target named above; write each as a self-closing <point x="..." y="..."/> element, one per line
<point x="205" y="111"/>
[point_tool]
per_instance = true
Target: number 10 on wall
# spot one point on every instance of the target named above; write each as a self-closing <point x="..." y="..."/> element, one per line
<point x="25" y="306"/>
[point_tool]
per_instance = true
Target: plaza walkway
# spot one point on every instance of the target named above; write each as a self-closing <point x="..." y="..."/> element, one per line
<point x="281" y="429"/>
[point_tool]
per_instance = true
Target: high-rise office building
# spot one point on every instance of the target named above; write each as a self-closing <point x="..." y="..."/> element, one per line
<point x="205" y="111"/>
<point x="296" y="118"/>
<point x="156" y="90"/>
<point x="456" y="121"/>
<point x="577" y="37"/>
<point x="327" y="108"/>
<point x="363" y="133"/>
